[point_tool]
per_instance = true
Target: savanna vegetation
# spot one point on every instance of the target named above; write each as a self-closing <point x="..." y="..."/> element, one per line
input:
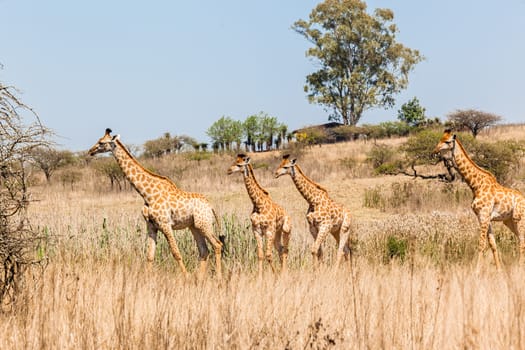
<point x="411" y="281"/>
<point x="72" y="237"/>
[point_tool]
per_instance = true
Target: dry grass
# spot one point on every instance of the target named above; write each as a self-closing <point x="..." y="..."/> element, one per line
<point x="410" y="284"/>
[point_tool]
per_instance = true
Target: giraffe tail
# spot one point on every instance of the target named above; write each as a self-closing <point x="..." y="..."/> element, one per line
<point x="222" y="237"/>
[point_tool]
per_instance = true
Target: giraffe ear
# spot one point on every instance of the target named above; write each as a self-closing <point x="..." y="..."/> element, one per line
<point x="293" y="161"/>
<point x="454" y="137"/>
<point x="247" y="160"/>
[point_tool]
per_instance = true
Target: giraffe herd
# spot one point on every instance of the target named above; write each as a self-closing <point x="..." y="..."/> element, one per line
<point x="167" y="208"/>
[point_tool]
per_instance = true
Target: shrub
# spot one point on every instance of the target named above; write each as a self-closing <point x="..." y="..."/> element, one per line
<point x="396" y="248"/>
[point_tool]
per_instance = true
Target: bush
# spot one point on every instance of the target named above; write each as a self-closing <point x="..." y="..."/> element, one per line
<point x="379" y="155"/>
<point x="396" y="248"/>
<point x="500" y="158"/>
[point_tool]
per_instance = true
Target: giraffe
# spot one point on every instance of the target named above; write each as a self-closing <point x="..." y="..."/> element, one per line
<point x="269" y="220"/>
<point x="324" y="215"/>
<point x="166" y="207"/>
<point x="492" y="201"/>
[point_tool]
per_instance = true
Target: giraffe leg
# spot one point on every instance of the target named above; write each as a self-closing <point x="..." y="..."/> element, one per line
<point x="285" y="234"/>
<point x="166" y="229"/>
<point x="521" y="238"/>
<point x="206" y="231"/>
<point x="260" y="253"/>
<point x="520" y="233"/>
<point x="277" y="243"/>
<point x="270" y="239"/>
<point x="318" y="255"/>
<point x="493" y="247"/>
<point x="343" y="249"/>
<point x="323" y="232"/>
<point x="203" y="251"/>
<point x="484" y="236"/>
<point x="151" y="244"/>
<point x="482" y="242"/>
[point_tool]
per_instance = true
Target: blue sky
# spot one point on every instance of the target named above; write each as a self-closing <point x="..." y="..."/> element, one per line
<point x="144" y="68"/>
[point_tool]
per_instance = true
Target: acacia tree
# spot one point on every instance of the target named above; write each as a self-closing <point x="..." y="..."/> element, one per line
<point x="473" y="120"/>
<point x="17" y="238"/>
<point x="49" y="159"/>
<point x="361" y="63"/>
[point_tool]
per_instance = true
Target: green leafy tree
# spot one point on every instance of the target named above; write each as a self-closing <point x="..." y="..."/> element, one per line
<point x="412" y="113"/>
<point x="225" y="131"/>
<point x="473" y="120"/>
<point x="251" y="128"/>
<point x="361" y="63"/>
<point x="269" y="129"/>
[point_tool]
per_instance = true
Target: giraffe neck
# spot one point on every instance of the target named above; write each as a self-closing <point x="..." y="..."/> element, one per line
<point x="143" y="180"/>
<point x="473" y="175"/>
<point x="311" y="191"/>
<point x="258" y="195"/>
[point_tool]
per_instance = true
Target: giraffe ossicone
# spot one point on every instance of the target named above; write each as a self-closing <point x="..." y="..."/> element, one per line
<point x="166" y="207"/>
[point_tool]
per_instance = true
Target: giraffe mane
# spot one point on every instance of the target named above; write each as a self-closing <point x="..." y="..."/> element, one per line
<point x="298" y="168"/>
<point x="124" y="148"/>
<point x="458" y="143"/>
<point x="250" y="169"/>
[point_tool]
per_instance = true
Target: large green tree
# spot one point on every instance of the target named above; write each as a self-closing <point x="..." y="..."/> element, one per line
<point x="361" y="65"/>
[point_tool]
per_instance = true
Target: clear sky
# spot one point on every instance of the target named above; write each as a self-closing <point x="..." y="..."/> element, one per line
<point x="144" y="68"/>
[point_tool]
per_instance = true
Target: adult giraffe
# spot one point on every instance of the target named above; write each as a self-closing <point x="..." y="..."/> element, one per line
<point x="492" y="201"/>
<point x="166" y="207"/>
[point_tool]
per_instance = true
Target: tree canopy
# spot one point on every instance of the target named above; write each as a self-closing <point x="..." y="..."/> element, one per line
<point x="361" y="63"/>
<point x="412" y="113"/>
<point x="259" y="131"/>
<point x="473" y="120"/>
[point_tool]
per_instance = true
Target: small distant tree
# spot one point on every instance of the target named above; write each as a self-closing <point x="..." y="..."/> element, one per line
<point x="473" y="120"/>
<point x="225" y="132"/>
<point x="70" y="177"/>
<point x="107" y="166"/>
<point x="49" y="159"/>
<point x="159" y="147"/>
<point x="269" y="130"/>
<point x="251" y="128"/>
<point x="412" y="113"/>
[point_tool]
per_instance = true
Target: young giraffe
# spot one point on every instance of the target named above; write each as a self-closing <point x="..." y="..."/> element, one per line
<point x="166" y="207"/>
<point x="269" y="220"/>
<point x="324" y="215"/>
<point x="492" y="201"/>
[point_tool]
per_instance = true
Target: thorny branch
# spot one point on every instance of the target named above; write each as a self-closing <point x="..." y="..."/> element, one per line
<point x="17" y="238"/>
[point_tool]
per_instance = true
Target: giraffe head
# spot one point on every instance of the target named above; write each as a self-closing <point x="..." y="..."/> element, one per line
<point x="446" y="144"/>
<point x="240" y="164"/>
<point x="286" y="167"/>
<point x="105" y="144"/>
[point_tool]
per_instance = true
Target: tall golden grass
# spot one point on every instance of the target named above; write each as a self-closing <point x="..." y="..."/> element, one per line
<point x="411" y="282"/>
